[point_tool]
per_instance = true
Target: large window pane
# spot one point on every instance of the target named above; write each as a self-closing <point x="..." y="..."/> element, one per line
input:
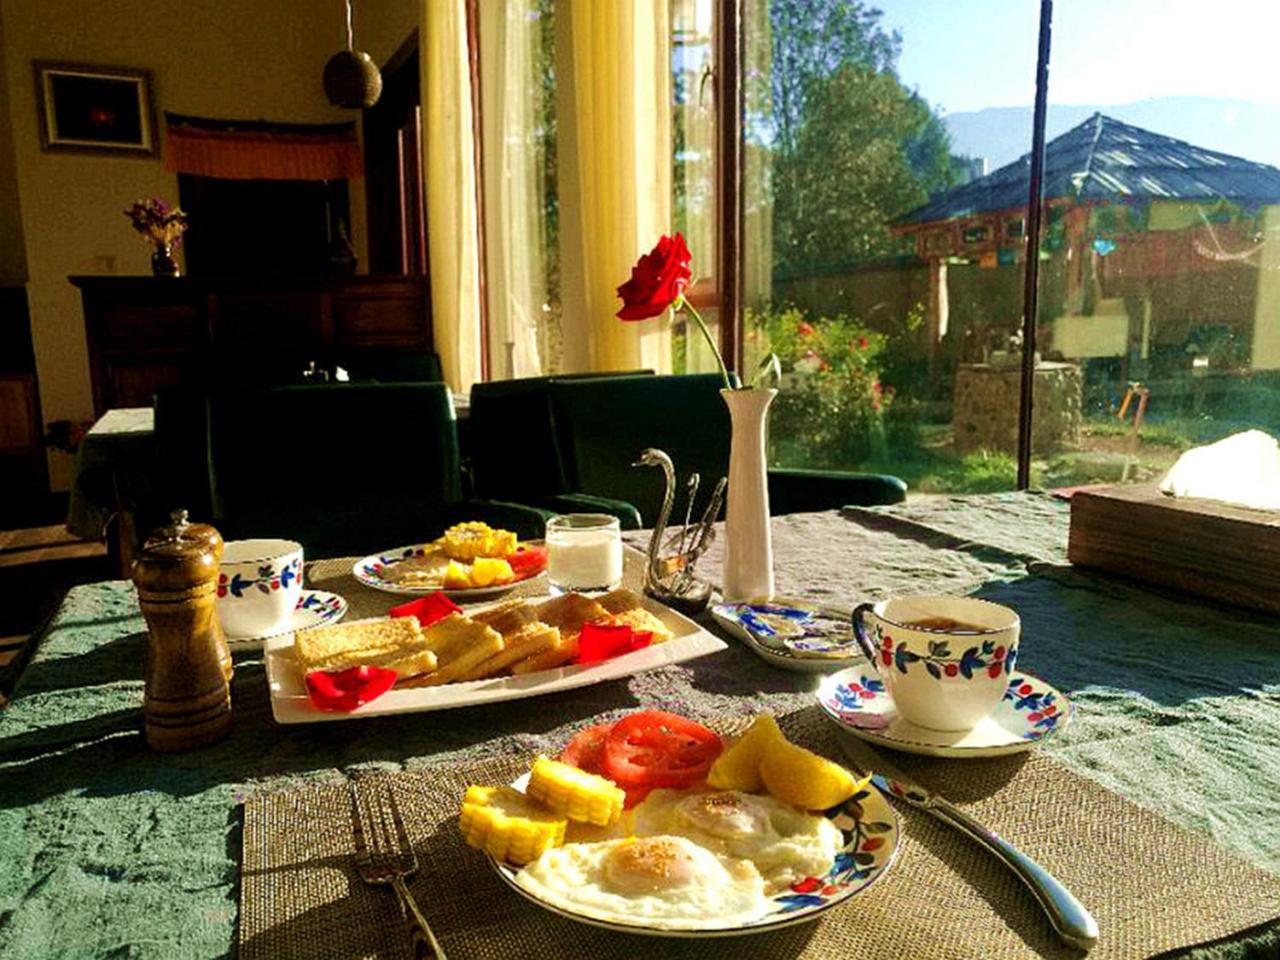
<point x="889" y="304"/>
<point x="1161" y="256"/>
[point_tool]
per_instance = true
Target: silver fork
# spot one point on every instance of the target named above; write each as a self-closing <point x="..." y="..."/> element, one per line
<point x="387" y="858"/>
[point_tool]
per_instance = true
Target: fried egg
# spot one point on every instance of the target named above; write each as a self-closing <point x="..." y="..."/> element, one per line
<point x="658" y="881"/>
<point x="784" y="843"/>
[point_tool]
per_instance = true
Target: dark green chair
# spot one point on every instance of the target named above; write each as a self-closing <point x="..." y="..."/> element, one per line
<point x="512" y="453"/>
<point x="603" y="425"/>
<point x="346" y="469"/>
<point x="381" y="365"/>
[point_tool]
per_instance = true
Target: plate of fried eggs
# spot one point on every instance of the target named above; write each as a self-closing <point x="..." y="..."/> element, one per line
<point x="699" y="861"/>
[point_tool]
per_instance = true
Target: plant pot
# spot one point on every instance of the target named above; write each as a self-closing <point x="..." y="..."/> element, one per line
<point x="748" y="555"/>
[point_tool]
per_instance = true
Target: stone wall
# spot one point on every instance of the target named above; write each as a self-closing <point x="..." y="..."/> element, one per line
<point x="986" y="408"/>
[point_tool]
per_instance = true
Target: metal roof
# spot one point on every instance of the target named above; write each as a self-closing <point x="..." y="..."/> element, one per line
<point x="1104" y="159"/>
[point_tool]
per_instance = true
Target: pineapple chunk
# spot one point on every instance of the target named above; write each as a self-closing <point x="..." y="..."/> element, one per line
<point x="799" y="777"/>
<point x="574" y="793"/>
<point x="457" y="577"/>
<point x="504" y="822"/>
<point x="738" y="768"/>
<point x="488" y="570"/>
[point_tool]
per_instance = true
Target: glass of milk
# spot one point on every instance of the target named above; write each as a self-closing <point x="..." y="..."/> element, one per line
<point x="584" y="553"/>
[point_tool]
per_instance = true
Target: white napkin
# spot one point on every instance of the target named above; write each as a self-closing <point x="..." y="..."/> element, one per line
<point x="1243" y="469"/>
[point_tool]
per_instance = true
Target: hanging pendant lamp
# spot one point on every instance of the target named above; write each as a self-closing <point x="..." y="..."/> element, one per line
<point x="351" y="78"/>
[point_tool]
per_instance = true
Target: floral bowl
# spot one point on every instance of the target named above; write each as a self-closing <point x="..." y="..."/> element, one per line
<point x="259" y="584"/>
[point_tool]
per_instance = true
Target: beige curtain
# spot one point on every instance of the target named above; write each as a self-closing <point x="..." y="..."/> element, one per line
<point x="451" y="191"/>
<point x="692" y="23"/>
<point x="515" y="278"/>
<point x="613" y="91"/>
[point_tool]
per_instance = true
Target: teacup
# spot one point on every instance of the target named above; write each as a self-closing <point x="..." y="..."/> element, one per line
<point x="944" y="660"/>
<point x="259" y="585"/>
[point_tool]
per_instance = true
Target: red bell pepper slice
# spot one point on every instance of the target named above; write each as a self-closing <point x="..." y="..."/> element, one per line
<point x="343" y="691"/>
<point x="604" y="641"/>
<point x="429" y="609"/>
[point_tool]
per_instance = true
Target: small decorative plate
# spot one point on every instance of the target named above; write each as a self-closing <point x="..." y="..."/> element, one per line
<point x="1030" y="712"/>
<point x="369" y="572"/>
<point x="870" y="829"/>
<point x="314" y="608"/>
<point x="792" y="634"/>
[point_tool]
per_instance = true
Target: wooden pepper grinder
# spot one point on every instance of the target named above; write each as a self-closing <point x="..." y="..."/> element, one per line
<point x="188" y="693"/>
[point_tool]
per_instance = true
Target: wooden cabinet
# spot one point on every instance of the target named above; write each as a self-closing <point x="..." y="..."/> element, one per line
<point x="147" y="332"/>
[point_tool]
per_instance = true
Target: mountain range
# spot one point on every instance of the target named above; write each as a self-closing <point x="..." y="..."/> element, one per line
<point x="1243" y="128"/>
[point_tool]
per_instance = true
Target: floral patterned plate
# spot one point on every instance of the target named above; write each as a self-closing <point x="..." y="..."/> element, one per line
<point x="369" y="572"/>
<point x="314" y="608"/>
<point x="792" y="634"/>
<point x="1030" y="712"/>
<point x="870" y="829"/>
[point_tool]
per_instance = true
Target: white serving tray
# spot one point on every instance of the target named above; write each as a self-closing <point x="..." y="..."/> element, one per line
<point x="290" y="704"/>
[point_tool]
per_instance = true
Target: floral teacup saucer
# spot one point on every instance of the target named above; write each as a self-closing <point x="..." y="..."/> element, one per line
<point x="856" y="699"/>
<point x="315" y="607"/>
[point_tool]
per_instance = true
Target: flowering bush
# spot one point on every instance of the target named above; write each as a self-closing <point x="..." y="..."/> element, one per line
<point x="157" y="221"/>
<point x="829" y="411"/>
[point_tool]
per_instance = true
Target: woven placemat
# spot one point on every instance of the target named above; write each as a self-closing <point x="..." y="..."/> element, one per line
<point x="1151" y="886"/>
<point x="335" y="576"/>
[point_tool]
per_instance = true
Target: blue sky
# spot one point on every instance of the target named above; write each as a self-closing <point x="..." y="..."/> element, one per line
<point x="969" y="54"/>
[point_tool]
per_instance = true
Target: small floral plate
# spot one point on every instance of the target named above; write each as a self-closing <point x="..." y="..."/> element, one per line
<point x="792" y="634"/>
<point x="315" y="607"/>
<point x="870" y="828"/>
<point x="369" y="572"/>
<point x="1031" y="711"/>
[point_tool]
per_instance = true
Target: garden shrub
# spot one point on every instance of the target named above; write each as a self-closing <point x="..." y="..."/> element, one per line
<point x="830" y="408"/>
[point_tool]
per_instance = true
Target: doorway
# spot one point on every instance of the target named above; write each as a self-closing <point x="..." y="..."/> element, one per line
<point x="393" y="169"/>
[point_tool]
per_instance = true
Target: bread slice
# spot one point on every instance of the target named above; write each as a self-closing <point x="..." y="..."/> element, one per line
<point x="570" y="611"/>
<point x="556" y="656"/>
<point x="508" y="618"/>
<point x="641" y="619"/>
<point x="620" y="600"/>
<point x="397" y="643"/>
<point x="459" y="644"/>
<point x="534" y="639"/>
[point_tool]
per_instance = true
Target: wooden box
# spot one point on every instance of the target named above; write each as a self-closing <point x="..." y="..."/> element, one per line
<point x="1211" y="549"/>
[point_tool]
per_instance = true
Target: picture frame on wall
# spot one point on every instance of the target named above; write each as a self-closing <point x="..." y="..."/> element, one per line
<point x="92" y="109"/>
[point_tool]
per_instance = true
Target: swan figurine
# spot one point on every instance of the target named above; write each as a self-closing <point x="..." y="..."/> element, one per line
<point x="669" y="575"/>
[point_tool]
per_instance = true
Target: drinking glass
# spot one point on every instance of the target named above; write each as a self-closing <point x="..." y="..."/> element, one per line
<point x="584" y="553"/>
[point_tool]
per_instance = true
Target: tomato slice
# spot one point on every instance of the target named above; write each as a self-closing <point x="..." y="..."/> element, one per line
<point x="584" y="751"/>
<point x="654" y="748"/>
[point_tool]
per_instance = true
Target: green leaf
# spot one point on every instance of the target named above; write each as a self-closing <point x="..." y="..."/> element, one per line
<point x="768" y="371"/>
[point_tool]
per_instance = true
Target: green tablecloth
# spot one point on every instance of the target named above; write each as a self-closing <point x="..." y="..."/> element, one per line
<point x="108" y="850"/>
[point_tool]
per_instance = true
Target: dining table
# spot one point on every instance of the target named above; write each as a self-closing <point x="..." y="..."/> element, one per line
<point x="1158" y="804"/>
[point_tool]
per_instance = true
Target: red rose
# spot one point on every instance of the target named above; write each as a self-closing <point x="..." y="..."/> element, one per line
<point x="863" y="343"/>
<point x="804" y="329"/>
<point x="657" y="280"/>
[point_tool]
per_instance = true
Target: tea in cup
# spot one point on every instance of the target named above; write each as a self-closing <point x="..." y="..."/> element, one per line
<point x="945" y="660"/>
<point x="259" y="586"/>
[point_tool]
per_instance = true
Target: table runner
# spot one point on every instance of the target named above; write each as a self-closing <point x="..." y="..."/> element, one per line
<point x="107" y="849"/>
<point x="943" y="897"/>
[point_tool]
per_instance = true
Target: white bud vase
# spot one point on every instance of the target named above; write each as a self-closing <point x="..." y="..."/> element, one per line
<point x="748" y="554"/>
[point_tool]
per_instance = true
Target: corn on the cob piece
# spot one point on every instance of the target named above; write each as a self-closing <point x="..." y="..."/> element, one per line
<point x="504" y="822"/>
<point x="467" y="541"/>
<point x="574" y="793"/>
